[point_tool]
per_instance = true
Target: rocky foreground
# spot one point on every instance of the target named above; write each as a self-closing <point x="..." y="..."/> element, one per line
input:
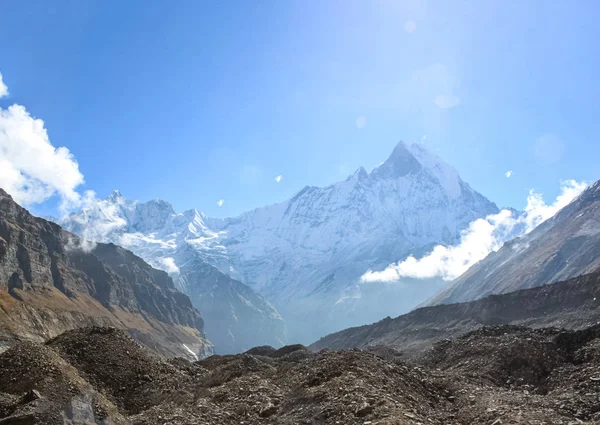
<point x="495" y="375"/>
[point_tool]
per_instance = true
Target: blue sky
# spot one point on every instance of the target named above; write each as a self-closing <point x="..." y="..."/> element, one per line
<point x="204" y="101"/>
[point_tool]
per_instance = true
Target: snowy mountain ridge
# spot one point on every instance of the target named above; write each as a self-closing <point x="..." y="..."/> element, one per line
<point x="237" y="317"/>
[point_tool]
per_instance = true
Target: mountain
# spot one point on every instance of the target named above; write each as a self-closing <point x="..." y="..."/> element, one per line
<point x="237" y="318"/>
<point x="573" y="304"/>
<point x="565" y="246"/>
<point x="306" y="255"/>
<point x="52" y="281"/>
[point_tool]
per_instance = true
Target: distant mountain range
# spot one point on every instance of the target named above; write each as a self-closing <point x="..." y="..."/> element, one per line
<point x="305" y="255"/>
<point x="237" y="318"/>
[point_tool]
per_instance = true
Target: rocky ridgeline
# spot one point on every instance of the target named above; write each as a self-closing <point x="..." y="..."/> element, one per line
<point x="573" y="304"/>
<point x="495" y="375"/>
<point x="565" y="246"/>
<point x="52" y="281"/>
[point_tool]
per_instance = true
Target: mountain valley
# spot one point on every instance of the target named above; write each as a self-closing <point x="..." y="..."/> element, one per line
<point x="96" y="335"/>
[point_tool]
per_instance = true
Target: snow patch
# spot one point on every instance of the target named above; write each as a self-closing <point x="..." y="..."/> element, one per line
<point x="190" y="351"/>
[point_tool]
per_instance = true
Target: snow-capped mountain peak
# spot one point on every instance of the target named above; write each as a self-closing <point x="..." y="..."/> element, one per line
<point x="399" y="164"/>
<point x="415" y="162"/>
<point x="115" y="196"/>
<point x="306" y="254"/>
<point x="358" y="175"/>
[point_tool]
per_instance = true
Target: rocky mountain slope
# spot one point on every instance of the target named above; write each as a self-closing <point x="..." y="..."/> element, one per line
<point x="565" y="246"/>
<point x="306" y="255"/>
<point x="573" y="304"/>
<point x="236" y="317"/>
<point x="497" y="375"/>
<point x="52" y="281"/>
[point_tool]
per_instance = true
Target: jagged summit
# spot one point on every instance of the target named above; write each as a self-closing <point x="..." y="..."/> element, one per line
<point x="115" y="196"/>
<point x="399" y="164"/>
<point x="359" y="175"/>
<point x="415" y="162"/>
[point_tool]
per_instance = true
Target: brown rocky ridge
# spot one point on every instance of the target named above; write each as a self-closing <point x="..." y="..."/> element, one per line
<point x="573" y="304"/>
<point x="52" y="281"/>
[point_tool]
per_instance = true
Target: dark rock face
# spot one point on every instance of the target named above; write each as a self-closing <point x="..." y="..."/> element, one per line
<point x="55" y="281"/>
<point x="563" y="247"/>
<point x="571" y="304"/>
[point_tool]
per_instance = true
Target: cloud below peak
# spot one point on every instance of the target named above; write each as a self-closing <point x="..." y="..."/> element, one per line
<point x="168" y="264"/>
<point x="477" y="241"/>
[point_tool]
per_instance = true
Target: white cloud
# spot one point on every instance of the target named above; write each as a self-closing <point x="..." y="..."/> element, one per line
<point x="31" y="168"/>
<point x="361" y="122"/>
<point x="481" y="238"/>
<point x="220" y="202"/>
<point x="410" y="26"/>
<point x="279" y="178"/>
<point x="549" y="149"/>
<point x="447" y="101"/>
<point x="90" y="228"/>
<point x="105" y="221"/>
<point x="168" y="264"/>
<point x="3" y="88"/>
<point x="78" y="244"/>
<point x="508" y="174"/>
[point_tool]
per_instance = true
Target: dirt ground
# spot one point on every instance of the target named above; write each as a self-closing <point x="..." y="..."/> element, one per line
<point x="493" y="376"/>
